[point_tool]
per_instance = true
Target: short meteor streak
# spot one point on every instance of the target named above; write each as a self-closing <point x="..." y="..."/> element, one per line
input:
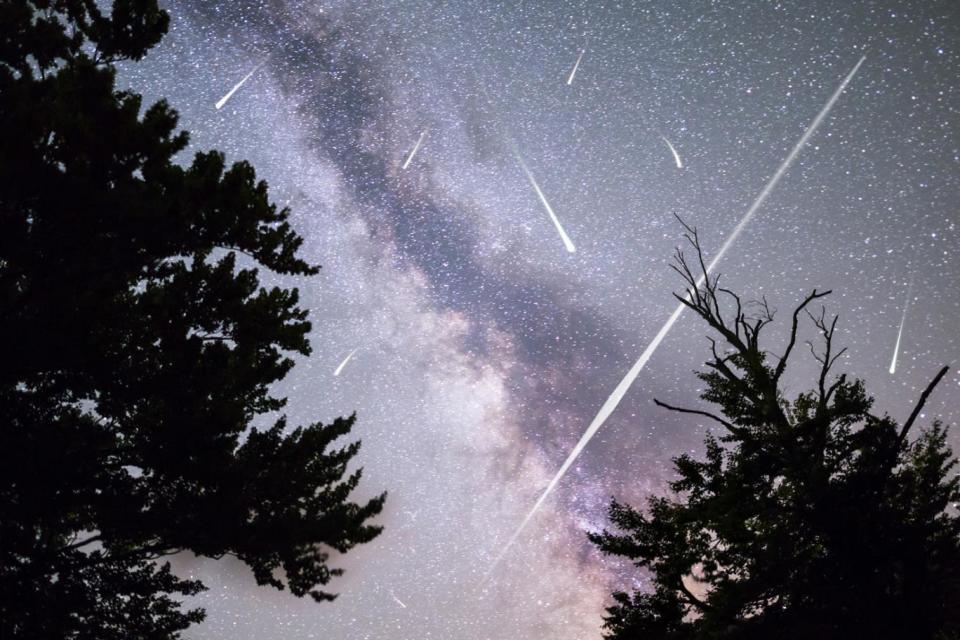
<point x="676" y="156"/>
<point x="397" y="600"/>
<point x="415" y="148"/>
<point x="573" y="72"/>
<point x="344" y="363"/>
<point x="903" y="319"/>
<point x="222" y="101"/>
<point x="533" y="182"/>
<point x="556" y="222"/>
<point x="621" y="390"/>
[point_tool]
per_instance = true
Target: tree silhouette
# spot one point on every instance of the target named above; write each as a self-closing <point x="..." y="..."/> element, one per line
<point x="137" y="350"/>
<point x="810" y="518"/>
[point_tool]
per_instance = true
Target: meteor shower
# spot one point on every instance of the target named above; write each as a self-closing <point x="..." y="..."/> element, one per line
<point x="404" y="319"/>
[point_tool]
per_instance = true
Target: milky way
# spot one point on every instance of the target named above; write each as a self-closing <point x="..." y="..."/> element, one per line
<point x="486" y="345"/>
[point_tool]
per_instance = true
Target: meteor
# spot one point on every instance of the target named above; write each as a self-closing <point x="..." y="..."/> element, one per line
<point x="903" y="319"/>
<point x="414" y="152"/>
<point x="621" y="390"/>
<point x="397" y="600"/>
<point x="573" y="72"/>
<point x="563" y="234"/>
<point x="222" y="101"/>
<point x="533" y="182"/>
<point x="676" y="156"/>
<point x="344" y="363"/>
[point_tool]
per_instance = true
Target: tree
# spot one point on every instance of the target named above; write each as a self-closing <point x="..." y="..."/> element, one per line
<point x="137" y="351"/>
<point x="810" y="518"/>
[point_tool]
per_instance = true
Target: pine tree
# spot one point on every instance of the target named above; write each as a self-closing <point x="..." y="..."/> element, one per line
<point x="808" y="518"/>
<point x="137" y="350"/>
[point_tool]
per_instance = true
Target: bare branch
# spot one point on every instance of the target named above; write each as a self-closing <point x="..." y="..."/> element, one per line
<point x="737" y="431"/>
<point x="836" y="357"/>
<point x="827" y="358"/>
<point x="739" y="316"/>
<point x="923" y="399"/>
<point x="793" y="331"/>
<point x="827" y="361"/>
<point x="703" y="299"/>
<point x="742" y="335"/>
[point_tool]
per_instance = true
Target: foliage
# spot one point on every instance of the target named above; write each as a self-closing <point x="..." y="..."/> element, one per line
<point x="806" y="518"/>
<point x="137" y="350"/>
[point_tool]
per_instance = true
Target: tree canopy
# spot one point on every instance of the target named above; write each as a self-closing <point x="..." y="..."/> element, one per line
<point x="138" y="348"/>
<point x="807" y="518"/>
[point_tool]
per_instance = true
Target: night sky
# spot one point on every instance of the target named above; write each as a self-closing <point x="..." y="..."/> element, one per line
<point x="483" y="347"/>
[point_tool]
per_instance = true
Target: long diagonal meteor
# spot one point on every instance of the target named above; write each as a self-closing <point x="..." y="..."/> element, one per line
<point x="621" y="390"/>
<point x="222" y="101"/>
<point x="903" y="320"/>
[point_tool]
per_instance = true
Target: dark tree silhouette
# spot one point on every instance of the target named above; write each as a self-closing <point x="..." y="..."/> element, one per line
<point x="137" y="349"/>
<point x="811" y="518"/>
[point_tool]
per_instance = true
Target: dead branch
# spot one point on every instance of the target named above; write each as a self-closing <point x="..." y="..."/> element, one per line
<point x="923" y="399"/>
<point x="781" y="367"/>
<point x="737" y="431"/>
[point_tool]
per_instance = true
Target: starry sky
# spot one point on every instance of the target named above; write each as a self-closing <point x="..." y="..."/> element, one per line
<point x="483" y="347"/>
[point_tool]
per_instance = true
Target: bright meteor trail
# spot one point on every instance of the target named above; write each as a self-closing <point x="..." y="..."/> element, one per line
<point x="414" y="152"/>
<point x="676" y="156"/>
<point x="563" y="234"/>
<point x="222" y="101"/>
<point x="903" y="319"/>
<point x="344" y="363"/>
<point x="575" y="66"/>
<point x="533" y="181"/>
<point x="621" y="390"/>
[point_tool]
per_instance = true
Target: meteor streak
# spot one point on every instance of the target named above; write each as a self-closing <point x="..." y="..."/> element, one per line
<point x="903" y="319"/>
<point x="676" y="156"/>
<point x="621" y="390"/>
<point x="222" y="101"/>
<point x="573" y="72"/>
<point x="563" y="234"/>
<point x="414" y="152"/>
<point x="397" y="600"/>
<point x="344" y="363"/>
<point x="523" y="165"/>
